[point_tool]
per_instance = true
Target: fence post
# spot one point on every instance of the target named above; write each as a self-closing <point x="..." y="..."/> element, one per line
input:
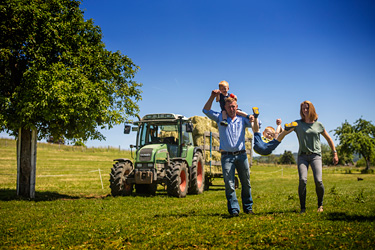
<point x="100" y="175"/>
<point x="210" y="151"/>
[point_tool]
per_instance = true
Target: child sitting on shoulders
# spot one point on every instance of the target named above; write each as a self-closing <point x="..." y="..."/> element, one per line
<point x="224" y="94"/>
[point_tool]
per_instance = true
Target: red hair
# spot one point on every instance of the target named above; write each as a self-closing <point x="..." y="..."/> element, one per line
<point x="313" y="116"/>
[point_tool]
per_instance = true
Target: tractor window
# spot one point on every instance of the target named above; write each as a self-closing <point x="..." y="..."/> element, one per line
<point x="148" y="134"/>
<point x="153" y="135"/>
<point x="142" y="135"/>
<point x="169" y="133"/>
<point x="187" y="138"/>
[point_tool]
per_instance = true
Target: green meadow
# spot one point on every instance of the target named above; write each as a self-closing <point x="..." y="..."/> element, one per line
<point x="73" y="208"/>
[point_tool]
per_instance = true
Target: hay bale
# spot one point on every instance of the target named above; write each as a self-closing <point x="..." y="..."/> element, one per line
<point x="204" y="124"/>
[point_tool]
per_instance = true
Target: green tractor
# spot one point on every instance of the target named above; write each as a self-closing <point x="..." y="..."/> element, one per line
<point x="164" y="154"/>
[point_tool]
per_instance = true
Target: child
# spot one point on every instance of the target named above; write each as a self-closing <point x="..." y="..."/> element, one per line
<point x="224" y="87"/>
<point x="264" y="145"/>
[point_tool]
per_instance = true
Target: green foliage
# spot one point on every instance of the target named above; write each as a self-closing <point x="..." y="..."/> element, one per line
<point x="72" y="211"/>
<point x="287" y="158"/>
<point x="327" y="155"/>
<point x="361" y="162"/>
<point x="56" y="75"/>
<point x="269" y="159"/>
<point x="358" y="138"/>
<point x="79" y="143"/>
<point x="345" y="157"/>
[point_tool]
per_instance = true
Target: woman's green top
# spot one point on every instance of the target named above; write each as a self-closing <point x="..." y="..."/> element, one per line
<point x="309" y="137"/>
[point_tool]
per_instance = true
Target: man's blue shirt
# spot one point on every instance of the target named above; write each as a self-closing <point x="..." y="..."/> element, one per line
<point x="232" y="137"/>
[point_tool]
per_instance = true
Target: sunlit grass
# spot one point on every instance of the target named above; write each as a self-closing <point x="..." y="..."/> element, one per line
<point x="72" y="210"/>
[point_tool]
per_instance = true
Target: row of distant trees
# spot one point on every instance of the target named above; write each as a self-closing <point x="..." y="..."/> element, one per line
<point x="356" y="139"/>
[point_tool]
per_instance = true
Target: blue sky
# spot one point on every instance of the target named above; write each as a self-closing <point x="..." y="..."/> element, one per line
<point x="274" y="54"/>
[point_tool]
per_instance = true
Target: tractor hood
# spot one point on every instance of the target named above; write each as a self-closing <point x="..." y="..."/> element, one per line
<point x="152" y="153"/>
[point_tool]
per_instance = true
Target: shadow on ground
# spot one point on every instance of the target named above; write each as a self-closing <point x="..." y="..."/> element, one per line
<point x="11" y="194"/>
<point x="349" y="217"/>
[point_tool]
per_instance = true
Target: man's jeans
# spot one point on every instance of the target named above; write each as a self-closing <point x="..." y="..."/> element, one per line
<point x="315" y="161"/>
<point x="229" y="164"/>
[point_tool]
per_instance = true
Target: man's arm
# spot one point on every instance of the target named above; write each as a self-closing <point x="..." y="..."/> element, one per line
<point x="214" y="94"/>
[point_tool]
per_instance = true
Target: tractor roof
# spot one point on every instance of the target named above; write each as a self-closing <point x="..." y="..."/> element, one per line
<point x="162" y="117"/>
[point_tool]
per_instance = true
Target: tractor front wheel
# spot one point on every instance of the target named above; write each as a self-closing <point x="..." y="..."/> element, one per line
<point x="117" y="178"/>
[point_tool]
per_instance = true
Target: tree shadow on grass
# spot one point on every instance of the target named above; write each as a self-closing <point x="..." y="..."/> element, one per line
<point x="11" y="194"/>
<point x="350" y="218"/>
<point x="291" y="211"/>
<point x="193" y="214"/>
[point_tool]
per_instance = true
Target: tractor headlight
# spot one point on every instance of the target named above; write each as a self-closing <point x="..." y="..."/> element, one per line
<point x="138" y="165"/>
<point x="150" y="165"/>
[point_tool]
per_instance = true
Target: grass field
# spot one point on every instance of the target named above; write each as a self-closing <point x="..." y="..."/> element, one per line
<point x="73" y="211"/>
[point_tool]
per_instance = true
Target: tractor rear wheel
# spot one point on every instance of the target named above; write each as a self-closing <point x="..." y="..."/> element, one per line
<point x="117" y="178"/>
<point x="197" y="174"/>
<point x="178" y="179"/>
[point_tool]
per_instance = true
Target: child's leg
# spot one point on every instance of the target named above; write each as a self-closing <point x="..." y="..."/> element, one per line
<point x="291" y="125"/>
<point x="225" y="116"/>
<point x="255" y="124"/>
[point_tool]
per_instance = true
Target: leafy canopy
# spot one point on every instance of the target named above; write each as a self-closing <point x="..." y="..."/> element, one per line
<point x="287" y="158"/>
<point x="358" y="138"/>
<point x="56" y="75"/>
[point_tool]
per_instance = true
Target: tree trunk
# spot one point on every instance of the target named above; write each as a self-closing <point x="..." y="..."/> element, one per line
<point x="367" y="164"/>
<point x="26" y="162"/>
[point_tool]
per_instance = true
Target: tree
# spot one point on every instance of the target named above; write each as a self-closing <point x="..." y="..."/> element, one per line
<point x="287" y="158"/>
<point x="57" y="78"/>
<point x="358" y="138"/>
<point x="344" y="156"/>
<point x="327" y="155"/>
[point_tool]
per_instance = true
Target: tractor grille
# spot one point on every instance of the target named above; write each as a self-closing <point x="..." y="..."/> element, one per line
<point x="145" y="154"/>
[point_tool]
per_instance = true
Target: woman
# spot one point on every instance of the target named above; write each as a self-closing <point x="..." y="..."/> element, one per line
<point x="308" y="132"/>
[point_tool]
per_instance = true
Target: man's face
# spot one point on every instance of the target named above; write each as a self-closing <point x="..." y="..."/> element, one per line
<point x="231" y="108"/>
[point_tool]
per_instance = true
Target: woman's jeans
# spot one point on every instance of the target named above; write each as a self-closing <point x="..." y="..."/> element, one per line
<point x="315" y="161"/>
<point x="229" y="164"/>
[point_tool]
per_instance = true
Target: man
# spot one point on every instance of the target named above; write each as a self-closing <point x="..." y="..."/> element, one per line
<point x="233" y="153"/>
